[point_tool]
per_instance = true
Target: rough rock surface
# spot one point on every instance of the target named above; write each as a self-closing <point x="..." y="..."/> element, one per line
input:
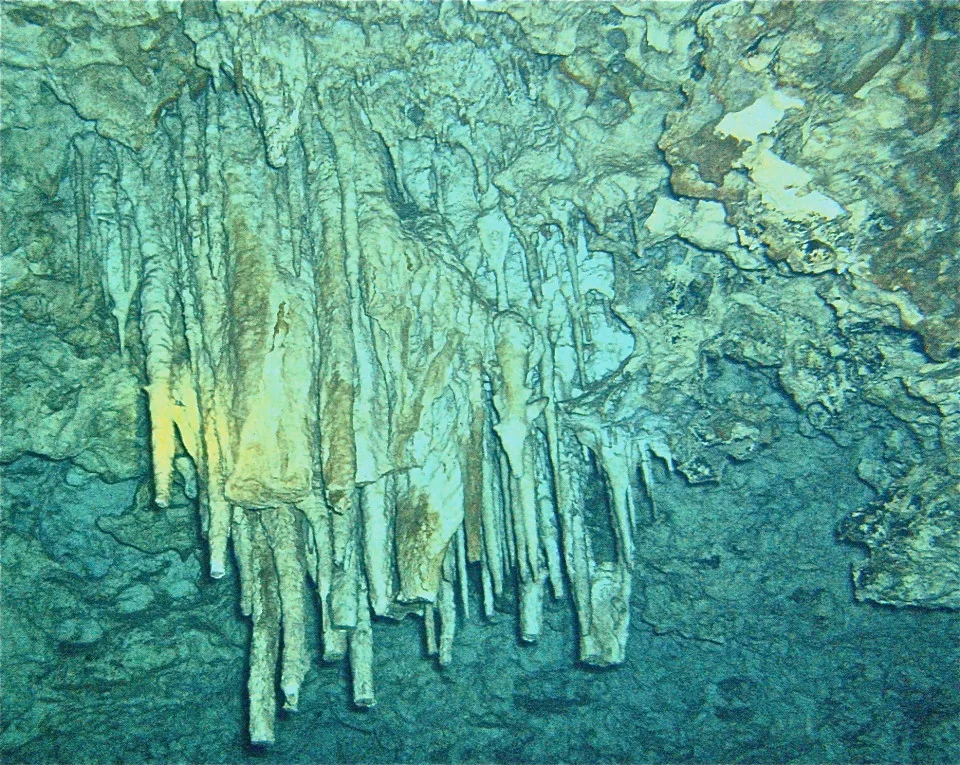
<point x="452" y="305"/>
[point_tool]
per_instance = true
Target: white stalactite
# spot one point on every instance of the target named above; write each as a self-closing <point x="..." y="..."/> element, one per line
<point x="326" y="367"/>
<point x="396" y="322"/>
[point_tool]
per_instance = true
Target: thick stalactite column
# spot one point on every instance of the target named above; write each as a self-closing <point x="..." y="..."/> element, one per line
<point x="271" y="358"/>
<point x="517" y="409"/>
<point x="271" y="363"/>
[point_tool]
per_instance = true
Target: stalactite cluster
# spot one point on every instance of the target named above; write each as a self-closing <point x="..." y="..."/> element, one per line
<point x="357" y="412"/>
<point x="423" y="297"/>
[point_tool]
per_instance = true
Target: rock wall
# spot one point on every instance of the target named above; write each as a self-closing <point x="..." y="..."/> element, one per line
<point x="422" y="301"/>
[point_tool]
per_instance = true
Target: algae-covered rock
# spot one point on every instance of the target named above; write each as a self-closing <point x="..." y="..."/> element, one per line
<point x="423" y="308"/>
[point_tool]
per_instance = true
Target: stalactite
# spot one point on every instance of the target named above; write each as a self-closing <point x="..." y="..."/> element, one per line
<point x="241" y="534"/>
<point x="88" y="263"/>
<point x="494" y="544"/>
<point x="575" y="251"/>
<point x="517" y="410"/>
<point x="157" y="290"/>
<point x="369" y="394"/>
<point x="283" y="535"/>
<point x="345" y="580"/>
<point x="204" y="314"/>
<point x="361" y="657"/>
<point x="357" y="416"/>
<point x="447" y="609"/>
<point x="319" y="549"/>
<point x="378" y="535"/>
<point x="265" y="640"/>
<point x="404" y="336"/>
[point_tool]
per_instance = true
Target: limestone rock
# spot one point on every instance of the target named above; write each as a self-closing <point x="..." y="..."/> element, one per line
<point x="912" y="538"/>
<point x="410" y="296"/>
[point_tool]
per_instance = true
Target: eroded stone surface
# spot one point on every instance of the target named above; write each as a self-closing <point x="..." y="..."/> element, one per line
<point x="411" y="289"/>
